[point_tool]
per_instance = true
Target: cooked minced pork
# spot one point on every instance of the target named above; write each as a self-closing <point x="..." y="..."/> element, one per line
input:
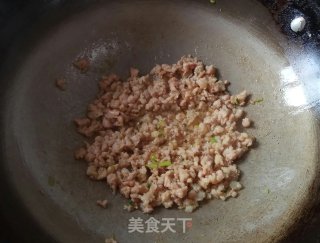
<point x="166" y="138"/>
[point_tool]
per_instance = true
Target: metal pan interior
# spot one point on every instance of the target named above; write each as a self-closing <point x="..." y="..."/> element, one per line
<point x="238" y="37"/>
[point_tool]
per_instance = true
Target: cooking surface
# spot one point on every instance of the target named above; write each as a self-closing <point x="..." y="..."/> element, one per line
<point x="39" y="129"/>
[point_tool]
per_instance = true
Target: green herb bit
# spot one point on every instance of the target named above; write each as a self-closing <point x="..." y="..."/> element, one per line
<point x="130" y="202"/>
<point x="213" y="140"/>
<point x="161" y="124"/>
<point x="153" y="158"/>
<point x="257" y="101"/>
<point x="152" y="165"/>
<point x="235" y="100"/>
<point x="165" y="163"/>
<point x="161" y="132"/>
<point x="213" y="1"/>
<point x="148" y="185"/>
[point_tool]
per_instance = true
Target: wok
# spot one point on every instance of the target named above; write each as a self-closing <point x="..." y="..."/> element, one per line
<point x="45" y="193"/>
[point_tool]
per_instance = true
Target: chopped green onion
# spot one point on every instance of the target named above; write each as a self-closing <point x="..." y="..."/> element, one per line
<point x="161" y="132"/>
<point x="161" y="124"/>
<point x="130" y="202"/>
<point x="153" y="165"/>
<point x="257" y="101"/>
<point x="235" y="100"/>
<point x="165" y="163"/>
<point x="213" y="1"/>
<point x="213" y="140"/>
<point x="153" y="158"/>
<point x="148" y="185"/>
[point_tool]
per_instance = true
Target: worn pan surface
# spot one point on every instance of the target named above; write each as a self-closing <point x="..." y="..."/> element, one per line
<point x="47" y="194"/>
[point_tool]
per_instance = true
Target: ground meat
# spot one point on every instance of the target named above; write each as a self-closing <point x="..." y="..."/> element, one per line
<point x="110" y="240"/>
<point x="167" y="138"/>
<point x="246" y="122"/>
<point x="82" y="64"/>
<point x="61" y="84"/>
<point x="102" y="203"/>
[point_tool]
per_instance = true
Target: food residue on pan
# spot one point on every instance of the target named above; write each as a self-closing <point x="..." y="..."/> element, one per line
<point x="61" y="83"/>
<point x="110" y="240"/>
<point x="167" y="138"/>
<point x="82" y="63"/>
<point x="102" y="203"/>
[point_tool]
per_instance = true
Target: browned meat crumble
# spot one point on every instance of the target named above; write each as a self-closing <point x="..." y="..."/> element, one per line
<point x="166" y="138"/>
